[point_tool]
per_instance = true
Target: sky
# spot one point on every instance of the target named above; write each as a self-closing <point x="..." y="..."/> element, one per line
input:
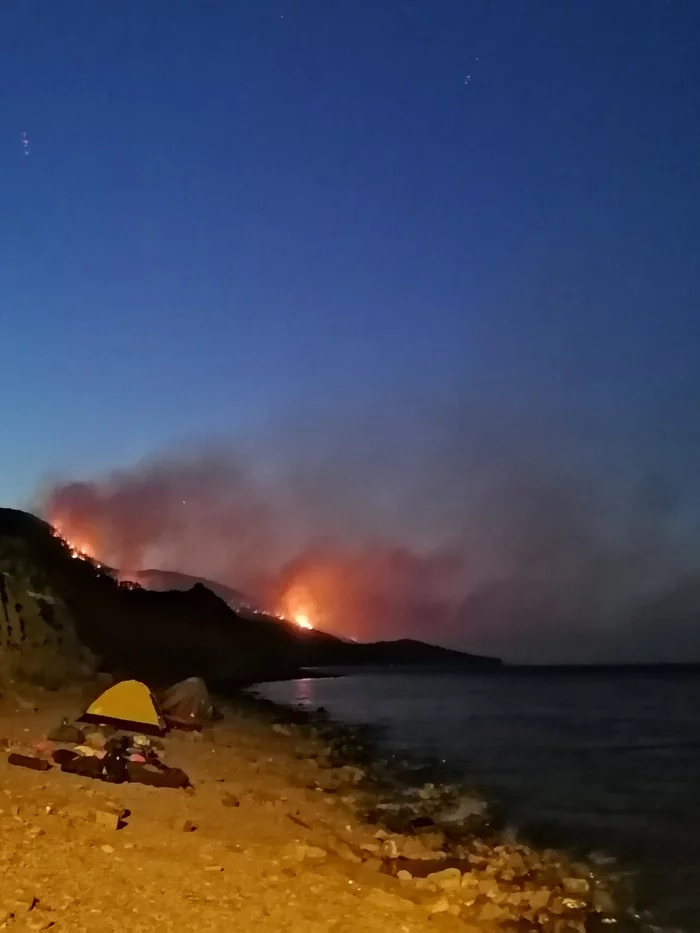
<point x="245" y="220"/>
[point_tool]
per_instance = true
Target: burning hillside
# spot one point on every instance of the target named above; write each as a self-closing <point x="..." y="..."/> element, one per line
<point x="326" y="587"/>
<point x="55" y="604"/>
<point x="495" y="552"/>
<point x="207" y="518"/>
<point x="296" y="605"/>
<point x="79" y="550"/>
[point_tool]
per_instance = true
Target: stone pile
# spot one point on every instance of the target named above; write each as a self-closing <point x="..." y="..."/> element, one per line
<point x="448" y="807"/>
<point x="514" y="884"/>
<point x="440" y="842"/>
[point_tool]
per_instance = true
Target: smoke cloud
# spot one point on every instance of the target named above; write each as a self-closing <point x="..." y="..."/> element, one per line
<point x="493" y="534"/>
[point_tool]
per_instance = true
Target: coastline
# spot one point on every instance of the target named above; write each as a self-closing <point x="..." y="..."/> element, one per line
<point x="417" y="802"/>
<point x="285" y="828"/>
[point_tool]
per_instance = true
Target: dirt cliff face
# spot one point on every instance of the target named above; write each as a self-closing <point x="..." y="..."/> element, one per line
<point x="38" y="640"/>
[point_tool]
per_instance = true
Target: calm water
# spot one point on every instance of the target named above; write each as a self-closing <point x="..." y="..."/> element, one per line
<point x="604" y="761"/>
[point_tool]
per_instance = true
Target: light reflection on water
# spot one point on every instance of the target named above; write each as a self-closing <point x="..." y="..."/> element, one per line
<point x="304" y="692"/>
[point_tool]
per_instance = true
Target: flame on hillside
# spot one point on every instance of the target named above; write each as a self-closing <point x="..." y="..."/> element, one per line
<point x="298" y="606"/>
<point x="79" y="550"/>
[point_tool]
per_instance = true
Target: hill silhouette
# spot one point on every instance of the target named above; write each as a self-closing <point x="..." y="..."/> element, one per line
<point x="72" y="610"/>
<point x="173" y="580"/>
<point x="320" y="647"/>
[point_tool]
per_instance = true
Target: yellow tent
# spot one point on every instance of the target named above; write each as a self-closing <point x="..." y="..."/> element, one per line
<point x="127" y="705"/>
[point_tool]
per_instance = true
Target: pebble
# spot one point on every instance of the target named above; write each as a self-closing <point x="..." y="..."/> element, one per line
<point x="449" y="879"/>
<point x="539" y="899"/>
<point x="107" y="849"/>
<point x="300" y="851"/>
<point x="440" y="906"/>
<point x="378" y="897"/>
<point x="578" y="887"/>
<point x="108" y="819"/>
<point x="490" y="912"/>
<point x="352" y="774"/>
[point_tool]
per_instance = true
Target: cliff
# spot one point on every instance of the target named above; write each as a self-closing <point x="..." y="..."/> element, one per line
<point x="39" y="642"/>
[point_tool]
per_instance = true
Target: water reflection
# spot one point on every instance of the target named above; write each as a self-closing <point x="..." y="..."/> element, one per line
<point x="304" y="691"/>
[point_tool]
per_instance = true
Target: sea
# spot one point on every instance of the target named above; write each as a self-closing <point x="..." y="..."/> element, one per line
<point x="599" y="761"/>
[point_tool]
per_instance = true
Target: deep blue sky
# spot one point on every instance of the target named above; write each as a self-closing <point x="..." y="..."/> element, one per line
<point x="231" y="211"/>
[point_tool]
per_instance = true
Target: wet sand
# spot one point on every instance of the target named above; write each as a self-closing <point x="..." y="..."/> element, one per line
<point x="268" y="839"/>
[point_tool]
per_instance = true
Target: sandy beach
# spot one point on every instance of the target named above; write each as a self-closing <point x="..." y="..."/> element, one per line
<point x="267" y="839"/>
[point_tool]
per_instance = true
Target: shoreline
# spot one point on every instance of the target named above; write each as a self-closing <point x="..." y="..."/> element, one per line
<point x="653" y="856"/>
<point x="466" y="820"/>
<point x="282" y="830"/>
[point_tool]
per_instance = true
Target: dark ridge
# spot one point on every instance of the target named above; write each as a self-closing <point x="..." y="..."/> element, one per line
<point x="164" y="635"/>
<point x="172" y="580"/>
<point x="409" y="652"/>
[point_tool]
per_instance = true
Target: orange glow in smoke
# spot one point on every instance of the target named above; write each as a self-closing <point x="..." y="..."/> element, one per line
<point x="79" y="550"/>
<point x="298" y="605"/>
<point x="302" y="620"/>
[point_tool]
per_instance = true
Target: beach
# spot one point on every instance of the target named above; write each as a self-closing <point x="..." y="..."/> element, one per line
<point x="269" y="837"/>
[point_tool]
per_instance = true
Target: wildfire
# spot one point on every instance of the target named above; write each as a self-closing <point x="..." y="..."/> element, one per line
<point x="302" y="620"/>
<point x="78" y="550"/>
<point x="298" y="606"/>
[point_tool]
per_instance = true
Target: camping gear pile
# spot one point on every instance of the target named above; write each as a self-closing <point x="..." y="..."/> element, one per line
<point x="123" y="743"/>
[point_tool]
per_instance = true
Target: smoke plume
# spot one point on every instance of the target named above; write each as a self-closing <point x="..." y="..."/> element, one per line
<point x="487" y="534"/>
